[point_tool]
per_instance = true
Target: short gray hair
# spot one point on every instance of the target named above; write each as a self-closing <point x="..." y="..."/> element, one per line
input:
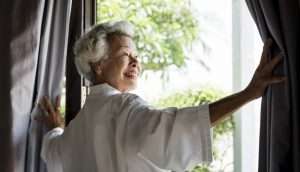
<point x="93" y="45"/>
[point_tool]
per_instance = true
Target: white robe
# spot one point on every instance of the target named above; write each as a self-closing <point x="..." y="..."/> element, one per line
<point x="119" y="132"/>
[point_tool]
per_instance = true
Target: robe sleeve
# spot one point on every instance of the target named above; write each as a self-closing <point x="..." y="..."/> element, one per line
<point x="51" y="150"/>
<point x="173" y="139"/>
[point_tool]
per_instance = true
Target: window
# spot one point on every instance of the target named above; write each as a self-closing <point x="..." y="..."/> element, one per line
<point x="197" y="51"/>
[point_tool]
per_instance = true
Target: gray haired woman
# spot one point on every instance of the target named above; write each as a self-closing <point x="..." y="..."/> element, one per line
<point x="116" y="131"/>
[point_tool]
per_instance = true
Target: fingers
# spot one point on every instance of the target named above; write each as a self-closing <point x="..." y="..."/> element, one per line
<point x="46" y="105"/>
<point x="273" y="63"/>
<point x="40" y="118"/>
<point x="52" y="118"/>
<point x="266" y="52"/>
<point x="57" y="103"/>
<point x="49" y="105"/>
<point x="276" y="79"/>
<point x="43" y="107"/>
<point x="268" y="44"/>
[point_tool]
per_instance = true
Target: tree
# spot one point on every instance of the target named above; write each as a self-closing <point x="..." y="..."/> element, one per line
<point x="163" y="28"/>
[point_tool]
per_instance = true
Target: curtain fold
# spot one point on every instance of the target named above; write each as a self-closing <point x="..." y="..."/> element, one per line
<point x="279" y="131"/>
<point x="34" y="37"/>
<point x="19" y="30"/>
<point x="50" y="72"/>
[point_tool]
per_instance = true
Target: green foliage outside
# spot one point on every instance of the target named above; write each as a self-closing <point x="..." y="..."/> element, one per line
<point x="164" y="28"/>
<point x="194" y="98"/>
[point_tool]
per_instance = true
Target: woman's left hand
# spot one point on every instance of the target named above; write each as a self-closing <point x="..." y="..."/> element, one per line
<point x="263" y="76"/>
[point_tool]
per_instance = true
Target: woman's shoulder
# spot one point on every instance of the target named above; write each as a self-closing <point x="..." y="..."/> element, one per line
<point x="125" y="101"/>
<point x="125" y="98"/>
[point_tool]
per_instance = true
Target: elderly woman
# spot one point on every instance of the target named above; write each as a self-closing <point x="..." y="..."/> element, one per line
<point x="116" y="131"/>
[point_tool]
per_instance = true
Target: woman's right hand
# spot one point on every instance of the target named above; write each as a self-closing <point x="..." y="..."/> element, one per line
<point x="51" y="116"/>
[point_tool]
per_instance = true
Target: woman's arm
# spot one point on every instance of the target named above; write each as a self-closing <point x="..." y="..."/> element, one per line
<point x="261" y="79"/>
<point x="221" y="109"/>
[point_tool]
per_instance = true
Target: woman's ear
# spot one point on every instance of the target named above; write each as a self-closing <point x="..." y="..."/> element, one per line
<point x="97" y="67"/>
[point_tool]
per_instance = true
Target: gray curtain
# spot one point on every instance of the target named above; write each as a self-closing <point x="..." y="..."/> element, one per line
<point x="279" y="149"/>
<point x="34" y="36"/>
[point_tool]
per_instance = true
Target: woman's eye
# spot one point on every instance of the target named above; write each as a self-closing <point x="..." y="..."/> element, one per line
<point x="125" y="57"/>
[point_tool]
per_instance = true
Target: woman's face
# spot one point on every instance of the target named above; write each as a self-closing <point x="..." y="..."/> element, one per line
<point x="122" y="68"/>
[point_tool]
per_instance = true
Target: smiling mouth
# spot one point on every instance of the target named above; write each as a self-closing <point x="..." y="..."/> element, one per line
<point x="131" y="75"/>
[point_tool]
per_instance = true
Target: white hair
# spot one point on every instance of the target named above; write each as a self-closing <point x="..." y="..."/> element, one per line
<point x="93" y="45"/>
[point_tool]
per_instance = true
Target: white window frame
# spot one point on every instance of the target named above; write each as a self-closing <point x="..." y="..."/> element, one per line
<point x="246" y="49"/>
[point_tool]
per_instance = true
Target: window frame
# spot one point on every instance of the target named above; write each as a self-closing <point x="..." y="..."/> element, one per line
<point x="83" y="17"/>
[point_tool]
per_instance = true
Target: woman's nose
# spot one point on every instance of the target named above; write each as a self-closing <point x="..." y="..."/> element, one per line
<point x="134" y="61"/>
<point x="134" y="64"/>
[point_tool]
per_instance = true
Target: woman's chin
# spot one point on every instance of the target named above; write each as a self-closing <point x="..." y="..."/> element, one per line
<point x="131" y="84"/>
<point x="124" y="84"/>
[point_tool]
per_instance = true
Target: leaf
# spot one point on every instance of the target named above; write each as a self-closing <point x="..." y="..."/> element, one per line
<point x="164" y="28"/>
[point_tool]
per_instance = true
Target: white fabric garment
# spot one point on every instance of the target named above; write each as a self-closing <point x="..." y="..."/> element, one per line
<point x="119" y="132"/>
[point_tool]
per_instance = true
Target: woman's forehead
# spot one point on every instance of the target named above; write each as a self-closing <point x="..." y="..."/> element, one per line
<point x="122" y="43"/>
